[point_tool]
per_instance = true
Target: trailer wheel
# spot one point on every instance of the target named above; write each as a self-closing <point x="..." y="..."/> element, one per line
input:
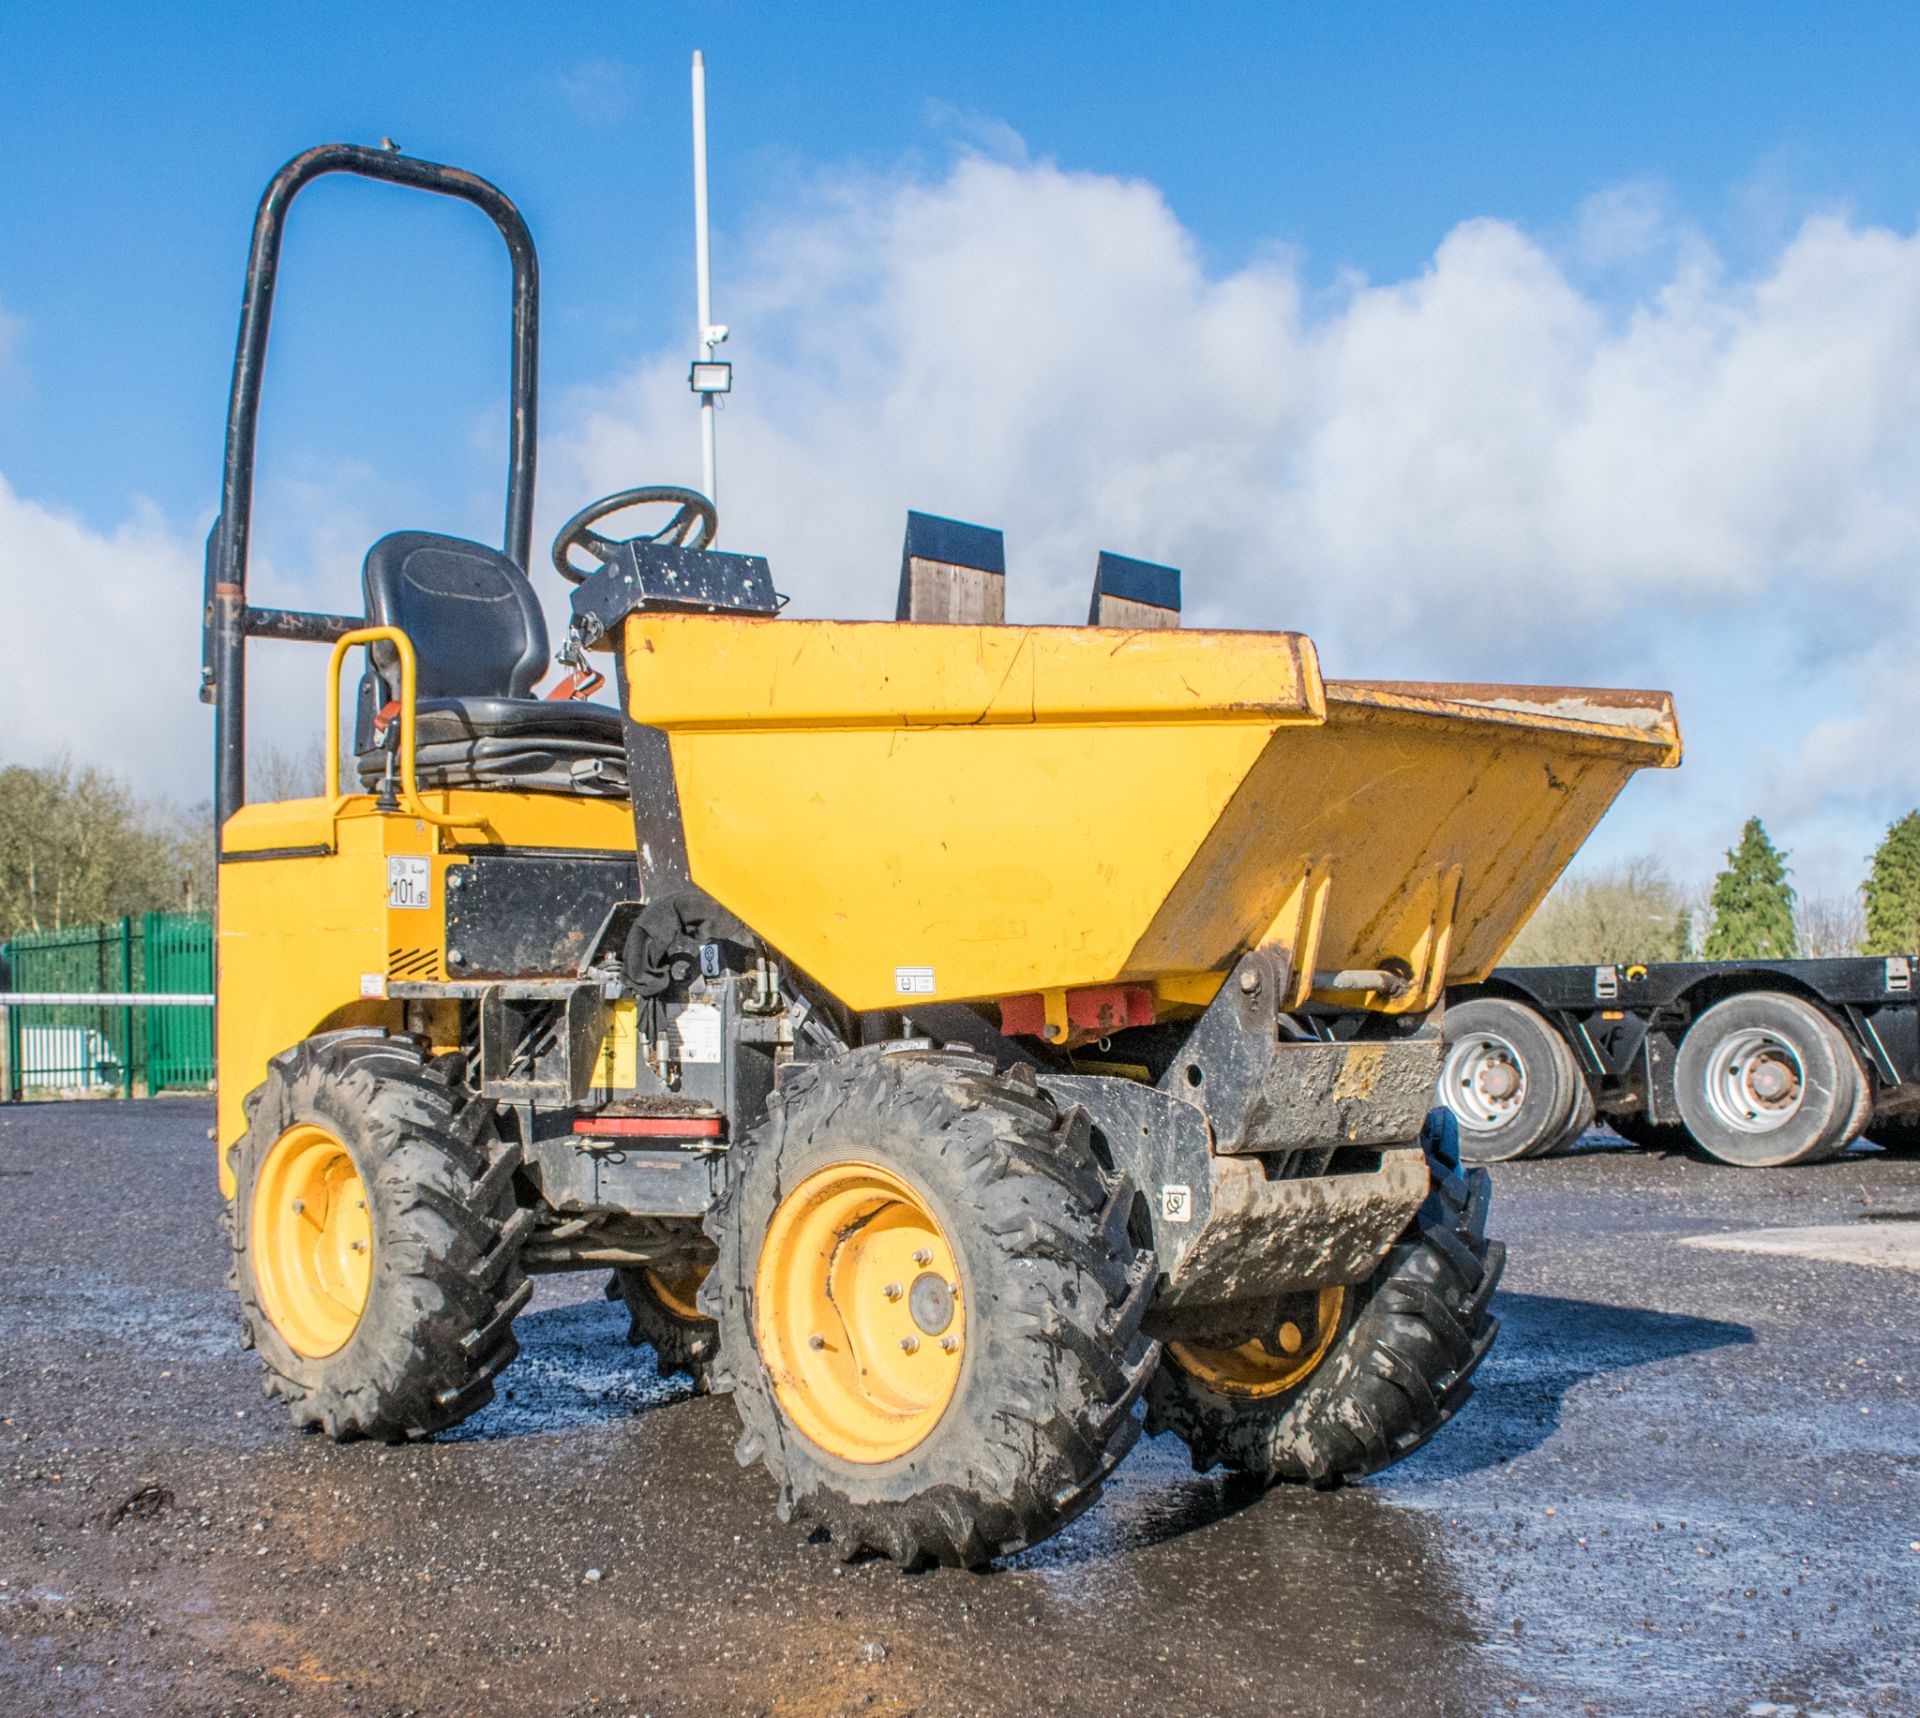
<point x="928" y="1305"/>
<point x="376" y="1239"/>
<point x="1576" y="1125"/>
<point x="1508" y="1077"/>
<point x="1766" y="1079"/>
<point x="1365" y="1378"/>
<point x="663" y="1307"/>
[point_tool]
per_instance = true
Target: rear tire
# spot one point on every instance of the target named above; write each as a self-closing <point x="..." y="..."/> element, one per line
<point x="1039" y="1353"/>
<point x="1397" y="1370"/>
<point x="1764" y="1080"/>
<point x="664" y="1313"/>
<point x="436" y="1243"/>
<point x="1508" y="1077"/>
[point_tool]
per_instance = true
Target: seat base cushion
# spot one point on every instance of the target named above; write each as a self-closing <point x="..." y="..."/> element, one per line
<point x="530" y="744"/>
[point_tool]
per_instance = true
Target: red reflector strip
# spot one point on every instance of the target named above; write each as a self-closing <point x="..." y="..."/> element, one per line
<point x="652" y="1127"/>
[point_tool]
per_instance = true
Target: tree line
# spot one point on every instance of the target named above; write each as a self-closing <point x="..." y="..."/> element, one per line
<point x="1636" y="912"/>
<point x="78" y="846"/>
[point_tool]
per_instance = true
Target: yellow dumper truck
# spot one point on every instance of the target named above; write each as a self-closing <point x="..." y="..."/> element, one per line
<point x="964" y="1042"/>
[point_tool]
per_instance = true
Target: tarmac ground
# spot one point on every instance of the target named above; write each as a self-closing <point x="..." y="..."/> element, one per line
<point x="1689" y="1482"/>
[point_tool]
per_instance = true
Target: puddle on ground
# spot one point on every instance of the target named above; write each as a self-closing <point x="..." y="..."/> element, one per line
<point x="575" y="1368"/>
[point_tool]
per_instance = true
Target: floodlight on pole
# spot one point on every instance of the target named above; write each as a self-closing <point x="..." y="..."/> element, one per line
<point x="709" y="377"/>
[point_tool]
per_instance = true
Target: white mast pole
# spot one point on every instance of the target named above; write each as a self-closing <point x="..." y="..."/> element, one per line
<point x="710" y="335"/>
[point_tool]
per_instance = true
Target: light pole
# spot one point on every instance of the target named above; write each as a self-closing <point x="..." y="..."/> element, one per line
<point x="709" y="377"/>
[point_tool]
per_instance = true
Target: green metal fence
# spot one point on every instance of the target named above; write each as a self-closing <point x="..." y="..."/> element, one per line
<point x="75" y="1050"/>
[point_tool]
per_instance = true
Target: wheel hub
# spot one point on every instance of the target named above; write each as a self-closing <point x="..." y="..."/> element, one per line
<point x="312" y="1241"/>
<point x="930" y="1300"/>
<point x="861" y="1364"/>
<point x="1485" y="1081"/>
<point x="1753" y="1081"/>
<point x="1277" y="1361"/>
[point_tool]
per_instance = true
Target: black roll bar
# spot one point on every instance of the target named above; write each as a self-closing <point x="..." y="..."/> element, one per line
<point x="228" y="621"/>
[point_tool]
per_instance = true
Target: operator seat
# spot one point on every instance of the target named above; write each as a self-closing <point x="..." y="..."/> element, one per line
<point x="480" y="644"/>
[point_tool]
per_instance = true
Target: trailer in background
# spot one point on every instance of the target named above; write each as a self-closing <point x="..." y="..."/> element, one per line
<point x="1759" y="1063"/>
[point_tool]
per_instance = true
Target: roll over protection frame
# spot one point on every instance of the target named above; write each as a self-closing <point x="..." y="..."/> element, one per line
<point x="228" y="621"/>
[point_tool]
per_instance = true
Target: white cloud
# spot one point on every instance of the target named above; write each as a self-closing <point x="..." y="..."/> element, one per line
<point x="104" y="645"/>
<point x="1491" y="469"/>
<point x="1612" y="460"/>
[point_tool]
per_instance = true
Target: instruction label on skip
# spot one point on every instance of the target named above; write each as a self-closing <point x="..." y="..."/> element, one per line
<point x="913" y="981"/>
<point x="697" y="1030"/>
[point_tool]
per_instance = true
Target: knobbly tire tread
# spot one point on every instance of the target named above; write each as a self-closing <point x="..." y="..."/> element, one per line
<point x="1402" y="1367"/>
<point x="438" y="1327"/>
<point x="682" y="1348"/>
<point x="1056" y="1359"/>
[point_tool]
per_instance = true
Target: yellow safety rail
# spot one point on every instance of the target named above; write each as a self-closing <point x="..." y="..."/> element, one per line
<point x="410" y="799"/>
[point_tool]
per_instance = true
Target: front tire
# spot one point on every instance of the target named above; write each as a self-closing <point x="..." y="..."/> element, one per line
<point x="375" y="1239"/>
<point x="1389" y="1362"/>
<point x="924" y="1415"/>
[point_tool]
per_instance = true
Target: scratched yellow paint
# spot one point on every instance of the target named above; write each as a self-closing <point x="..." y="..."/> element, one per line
<point x="972" y="812"/>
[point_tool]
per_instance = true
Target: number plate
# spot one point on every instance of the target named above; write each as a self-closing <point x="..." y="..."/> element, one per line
<point x="409" y="883"/>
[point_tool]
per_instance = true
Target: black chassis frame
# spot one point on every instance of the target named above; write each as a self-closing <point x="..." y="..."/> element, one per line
<point x="1624" y="1023"/>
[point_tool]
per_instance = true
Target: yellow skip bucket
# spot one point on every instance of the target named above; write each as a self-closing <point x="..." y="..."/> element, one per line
<point x="931" y="812"/>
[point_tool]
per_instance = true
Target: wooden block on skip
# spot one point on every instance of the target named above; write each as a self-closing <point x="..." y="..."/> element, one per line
<point x="1135" y="594"/>
<point x="952" y="572"/>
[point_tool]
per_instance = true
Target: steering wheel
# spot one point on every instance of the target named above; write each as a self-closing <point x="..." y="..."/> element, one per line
<point x="695" y="518"/>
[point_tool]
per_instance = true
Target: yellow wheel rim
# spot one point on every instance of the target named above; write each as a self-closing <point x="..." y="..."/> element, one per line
<point x="858" y="1312"/>
<point x="312" y="1245"/>
<point x="678" y="1290"/>
<point x="1276" y="1362"/>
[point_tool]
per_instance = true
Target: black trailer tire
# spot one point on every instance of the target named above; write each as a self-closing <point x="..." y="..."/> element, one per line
<point x="443" y="1233"/>
<point x="1509" y="1078"/>
<point x="1582" y="1118"/>
<point x="1635" y="1129"/>
<point x="1765" y="1079"/>
<point x="1399" y="1366"/>
<point x="1896" y="1138"/>
<point x="663" y="1315"/>
<point x="1047" y="1299"/>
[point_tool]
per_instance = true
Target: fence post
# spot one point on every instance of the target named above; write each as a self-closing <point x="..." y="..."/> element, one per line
<point x="126" y="987"/>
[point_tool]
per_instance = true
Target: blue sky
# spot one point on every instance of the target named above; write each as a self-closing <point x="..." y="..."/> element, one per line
<point x="1321" y="159"/>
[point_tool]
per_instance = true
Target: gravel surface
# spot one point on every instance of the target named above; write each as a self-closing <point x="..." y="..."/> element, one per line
<point x="1688" y="1483"/>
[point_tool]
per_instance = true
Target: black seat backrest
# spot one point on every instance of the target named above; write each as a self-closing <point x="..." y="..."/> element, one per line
<point x="475" y="623"/>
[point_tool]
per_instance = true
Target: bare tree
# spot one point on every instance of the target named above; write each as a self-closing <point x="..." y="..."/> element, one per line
<point x="1829" y="925"/>
<point x="1624" y="913"/>
<point x="76" y="847"/>
<point x="280" y="772"/>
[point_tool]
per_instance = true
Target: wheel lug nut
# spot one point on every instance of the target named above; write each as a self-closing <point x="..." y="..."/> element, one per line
<point x="359" y="1246"/>
<point x="921" y="1256"/>
<point x="949" y="1343"/>
<point x="891" y="1291"/>
<point x="909" y="1344"/>
<point x="816" y="1342"/>
<point x="299" y="1205"/>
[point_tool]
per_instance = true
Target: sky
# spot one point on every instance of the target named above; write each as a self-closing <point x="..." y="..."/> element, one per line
<point x="1521" y="342"/>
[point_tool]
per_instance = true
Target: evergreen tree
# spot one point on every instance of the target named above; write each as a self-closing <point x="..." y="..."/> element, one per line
<point x="1892" y="891"/>
<point x="1752" y="903"/>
